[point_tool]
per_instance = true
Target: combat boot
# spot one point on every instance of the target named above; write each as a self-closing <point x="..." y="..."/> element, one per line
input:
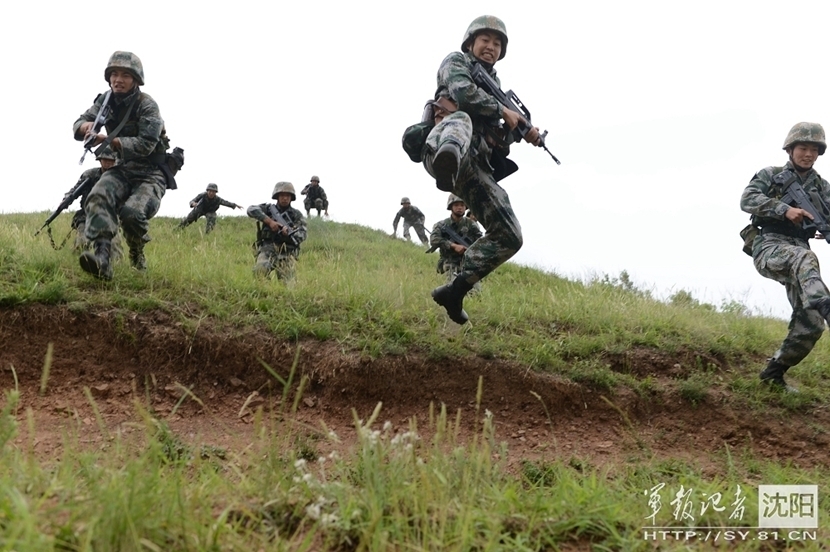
<point x="445" y="166"/>
<point x="823" y="307"/>
<point x="97" y="262"/>
<point x="451" y="297"/>
<point x="773" y="375"/>
<point x="137" y="259"/>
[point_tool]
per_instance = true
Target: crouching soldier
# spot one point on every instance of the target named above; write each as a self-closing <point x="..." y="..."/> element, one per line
<point x="280" y="232"/>
<point x="205" y="205"/>
<point x="452" y="237"/>
<point x="315" y="197"/>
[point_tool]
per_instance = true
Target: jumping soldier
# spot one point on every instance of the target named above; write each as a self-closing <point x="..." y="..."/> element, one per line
<point x="131" y="190"/>
<point x="315" y="197"/>
<point x="206" y="204"/>
<point x="281" y="231"/>
<point x="462" y="149"/>
<point x="444" y="238"/>
<point x="412" y="218"/>
<point x="781" y="251"/>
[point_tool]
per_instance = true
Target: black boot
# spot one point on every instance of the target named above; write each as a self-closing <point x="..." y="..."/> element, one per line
<point x="137" y="259"/>
<point x="451" y="297"/>
<point x="445" y="166"/>
<point x="823" y="307"/>
<point x="773" y="375"/>
<point x="97" y="262"/>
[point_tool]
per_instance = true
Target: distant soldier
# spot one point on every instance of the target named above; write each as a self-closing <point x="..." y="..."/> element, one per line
<point x="412" y="217"/>
<point x="452" y="237"/>
<point x="281" y="231"/>
<point x="206" y="204"/>
<point x="780" y="249"/>
<point x="315" y="197"/>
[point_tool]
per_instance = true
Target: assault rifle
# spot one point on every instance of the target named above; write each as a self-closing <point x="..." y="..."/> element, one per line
<point x="78" y="191"/>
<point x="454" y="237"/>
<point x="97" y="125"/>
<point x="285" y="222"/>
<point x="509" y="100"/>
<point x="796" y="194"/>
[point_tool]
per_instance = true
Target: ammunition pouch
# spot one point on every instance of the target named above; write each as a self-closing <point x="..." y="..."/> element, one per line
<point x="748" y="234"/>
<point x="414" y="139"/>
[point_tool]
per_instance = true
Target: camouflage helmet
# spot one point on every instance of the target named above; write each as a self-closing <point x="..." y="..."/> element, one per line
<point x="485" y="23"/>
<point x="806" y="132"/>
<point x="315" y="178"/>
<point x="454" y="199"/>
<point x="405" y="200"/>
<point x="105" y="153"/>
<point x="212" y="188"/>
<point x="286" y="187"/>
<point x="128" y="61"/>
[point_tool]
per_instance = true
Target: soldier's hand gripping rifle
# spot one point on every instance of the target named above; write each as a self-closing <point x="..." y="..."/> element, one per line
<point x="97" y="125"/>
<point x="78" y="191"/>
<point x="454" y="237"/>
<point x="821" y="212"/>
<point x="509" y="100"/>
<point x="284" y="223"/>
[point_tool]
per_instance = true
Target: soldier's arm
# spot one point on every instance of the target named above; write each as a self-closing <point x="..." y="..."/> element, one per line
<point x="455" y="74"/>
<point x="755" y="200"/>
<point x="226" y="203"/>
<point x="258" y="211"/>
<point x="437" y="239"/>
<point x="87" y="116"/>
<point x="300" y="224"/>
<point x="396" y="221"/>
<point x="150" y="125"/>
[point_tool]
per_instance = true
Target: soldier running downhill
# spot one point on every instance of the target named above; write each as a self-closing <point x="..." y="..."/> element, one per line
<point x="780" y="248"/>
<point x="205" y="205"/>
<point x="412" y="218"/>
<point x="278" y="242"/>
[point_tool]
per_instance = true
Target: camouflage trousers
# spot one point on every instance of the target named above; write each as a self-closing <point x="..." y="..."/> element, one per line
<point x="276" y="257"/>
<point x="451" y="269"/>
<point x="484" y="197"/>
<point x="419" y="229"/>
<point x="131" y="195"/>
<point x="318" y="204"/>
<point x="82" y="244"/>
<point x="195" y="214"/>
<point x="791" y="262"/>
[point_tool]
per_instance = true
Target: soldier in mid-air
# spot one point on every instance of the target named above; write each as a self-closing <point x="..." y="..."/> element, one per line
<point x="205" y="205"/>
<point x="412" y="218"/>
<point x="281" y="230"/>
<point x="131" y="190"/>
<point x="780" y="247"/>
<point x="462" y="149"/>
<point x="315" y="197"/>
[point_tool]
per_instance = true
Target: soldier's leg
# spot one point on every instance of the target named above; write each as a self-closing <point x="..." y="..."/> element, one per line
<point x="101" y="208"/>
<point x="422" y="235"/>
<point x="142" y="205"/>
<point x="286" y="268"/>
<point x="406" y="227"/>
<point x="79" y="224"/>
<point x="117" y="251"/>
<point x="210" y="222"/>
<point x="307" y="205"/>
<point x="264" y="260"/>
<point x="448" y="145"/>
<point x="191" y="217"/>
<point x="318" y="204"/>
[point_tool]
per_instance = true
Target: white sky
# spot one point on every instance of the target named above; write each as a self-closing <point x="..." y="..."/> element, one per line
<point x="660" y="111"/>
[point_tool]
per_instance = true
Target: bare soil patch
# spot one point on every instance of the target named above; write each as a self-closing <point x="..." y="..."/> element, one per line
<point x="123" y="357"/>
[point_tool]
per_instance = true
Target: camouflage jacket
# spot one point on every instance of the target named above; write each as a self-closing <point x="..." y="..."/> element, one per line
<point x="762" y="197"/>
<point x="295" y="220"/>
<point x="413" y="215"/>
<point x="455" y="81"/>
<point x="93" y="175"/>
<point x="207" y="205"/>
<point x="143" y="137"/>
<point x="439" y="239"/>
<point x="315" y="192"/>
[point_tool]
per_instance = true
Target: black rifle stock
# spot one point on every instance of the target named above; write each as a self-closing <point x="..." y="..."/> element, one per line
<point x="511" y="101"/>
<point x="97" y="125"/>
<point x="70" y="197"/>
<point x="284" y="222"/>
<point x="796" y="194"/>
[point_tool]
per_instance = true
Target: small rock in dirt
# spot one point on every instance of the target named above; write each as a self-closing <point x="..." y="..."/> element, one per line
<point x="236" y="382"/>
<point x="309" y="402"/>
<point x="102" y="390"/>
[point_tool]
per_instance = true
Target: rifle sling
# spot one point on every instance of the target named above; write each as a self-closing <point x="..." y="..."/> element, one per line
<point x="114" y="134"/>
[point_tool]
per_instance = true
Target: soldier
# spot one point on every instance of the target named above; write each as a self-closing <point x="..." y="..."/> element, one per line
<point x="445" y="237"/>
<point x="206" y="204"/>
<point x="278" y="241"/>
<point x="315" y="197"/>
<point x="781" y="251"/>
<point x="88" y="179"/>
<point x="412" y="217"/>
<point x="460" y="153"/>
<point x="132" y="190"/>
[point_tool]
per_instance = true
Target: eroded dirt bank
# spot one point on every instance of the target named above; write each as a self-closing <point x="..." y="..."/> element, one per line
<point x="123" y="358"/>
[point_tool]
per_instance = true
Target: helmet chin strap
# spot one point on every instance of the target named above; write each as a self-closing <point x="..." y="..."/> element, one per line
<point x="799" y="168"/>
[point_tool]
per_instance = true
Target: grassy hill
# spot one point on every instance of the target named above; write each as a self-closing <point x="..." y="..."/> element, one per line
<point x="646" y="372"/>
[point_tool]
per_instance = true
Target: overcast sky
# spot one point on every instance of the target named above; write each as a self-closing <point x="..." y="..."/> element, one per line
<point x="660" y="111"/>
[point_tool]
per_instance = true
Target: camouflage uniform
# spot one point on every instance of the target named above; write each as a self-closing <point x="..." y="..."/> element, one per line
<point x="132" y="190"/>
<point x="207" y="207"/>
<point x="274" y="250"/>
<point x="412" y="218"/>
<point x="315" y="197"/>
<point x="450" y="262"/>
<point x="782" y="253"/>
<point x="79" y="218"/>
